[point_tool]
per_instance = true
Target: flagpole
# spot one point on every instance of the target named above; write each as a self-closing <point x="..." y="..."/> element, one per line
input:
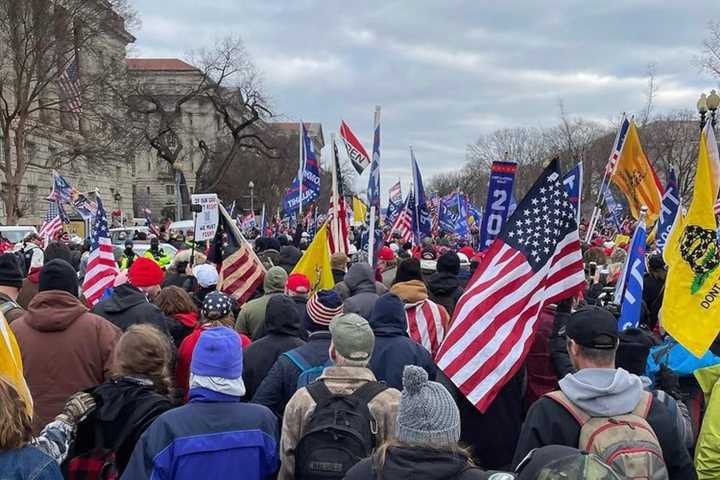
<point x="335" y="224"/>
<point x="300" y="170"/>
<point x="413" y="186"/>
<point x="371" y="232"/>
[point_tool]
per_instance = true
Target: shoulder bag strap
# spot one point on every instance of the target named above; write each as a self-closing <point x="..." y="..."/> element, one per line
<point x="580" y="416"/>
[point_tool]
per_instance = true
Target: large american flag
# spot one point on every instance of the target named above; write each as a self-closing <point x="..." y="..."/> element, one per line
<point x="52" y="224"/>
<point x="403" y="221"/>
<point x="241" y="272"/>
<point x="69" y="83"/>
<point x="535" y="260"/>
<point x="101" y="267"/>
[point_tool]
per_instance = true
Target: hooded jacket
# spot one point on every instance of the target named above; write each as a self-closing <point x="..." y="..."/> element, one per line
<point x="360" y="281"/>
<point x="288" y="257"/>
<point x="444" y="288"/>
<point x="125" y="408"/>
<point x="127" y="306"/>
<point x="417" y="463"/>
<point x="601" y="392"/>
<point x="252" y="314"/>
<point x="64" y="349"/>
<point x="393" y="347"/>
<point x="282" y="330"/>
<point x="181" y="325"/>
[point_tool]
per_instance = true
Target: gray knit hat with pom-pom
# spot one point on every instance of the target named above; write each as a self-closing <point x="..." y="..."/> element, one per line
<point x="427" y="414"/>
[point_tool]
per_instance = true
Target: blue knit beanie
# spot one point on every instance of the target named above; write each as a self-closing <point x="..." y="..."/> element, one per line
<point x="218" y="353"/>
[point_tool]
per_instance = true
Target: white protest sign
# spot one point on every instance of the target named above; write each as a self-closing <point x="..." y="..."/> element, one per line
<point x="206" y="221"/>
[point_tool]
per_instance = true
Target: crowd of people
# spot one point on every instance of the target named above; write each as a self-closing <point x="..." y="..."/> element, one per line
<point x="166" y="377"/>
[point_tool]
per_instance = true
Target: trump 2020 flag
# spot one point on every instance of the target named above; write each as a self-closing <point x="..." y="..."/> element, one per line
<point x="310" y="179"/>
<point x="614" y="208"/>
<point x="573" y="182"/>
<point x="670" y="208"/>
<point x="502" y="182"/>
<point x="421" y="220"/>
<point x="633" y="280"/>
<point x="535" y="260"/>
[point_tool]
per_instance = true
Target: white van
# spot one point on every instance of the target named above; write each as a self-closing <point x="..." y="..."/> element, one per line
<point x="16" y="233"/>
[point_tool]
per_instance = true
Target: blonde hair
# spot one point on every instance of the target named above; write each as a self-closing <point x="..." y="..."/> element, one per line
<point x="15" y="422"/>
<point x="144" y="350"/>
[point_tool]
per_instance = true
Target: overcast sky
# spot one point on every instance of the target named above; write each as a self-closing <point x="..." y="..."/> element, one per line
<point x="447" y="71"/>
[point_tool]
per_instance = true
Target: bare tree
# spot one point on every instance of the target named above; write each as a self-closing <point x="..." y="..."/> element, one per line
<point x="650" y="94"/>
<point x="39" y="41"/>
<point x="709" y="60"/>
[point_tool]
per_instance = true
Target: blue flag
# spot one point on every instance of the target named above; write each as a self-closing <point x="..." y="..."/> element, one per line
<point x="62" y="191"/>
<point x="421" y="219"/>
<point x="573" y="183"/>
<point x="669" y="210"/>
<point x="310" y="179"/>
<point x="462" y="229"/>
<point x="502" y="183"/>
<point x="633" y="275"/>
<point x="446" y="219"/>
<point x="614" y="208"/>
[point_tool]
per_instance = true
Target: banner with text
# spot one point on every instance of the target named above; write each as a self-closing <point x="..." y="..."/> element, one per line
<point x="502" y="183"/>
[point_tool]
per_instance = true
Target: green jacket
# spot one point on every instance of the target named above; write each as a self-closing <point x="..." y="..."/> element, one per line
<point x="252" y="314"/>
<point x="707" y="451"/>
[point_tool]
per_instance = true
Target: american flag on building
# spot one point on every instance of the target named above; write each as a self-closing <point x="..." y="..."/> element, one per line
<point x="52" y="224"/>
<point x="535" y="260"/>
<point x="69" y="83"/>
<point x="101" y="267"/>
<point x="617" y="146"/>
<point x="241" y="272"/>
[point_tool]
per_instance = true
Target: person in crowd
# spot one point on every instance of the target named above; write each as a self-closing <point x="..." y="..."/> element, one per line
<point x="130" y="401"/>
<point x="84" y="257"/>
<point x="427" y="250"/>
<point x="303" y="364"/>
<point x="158" y="254"/>
<point x="214" y="435"/>
<point x="25" y="457"/>
<point x="598" y="389"/>
<point x="268" y="250"/>
<point x="130" y="303"/>
<point x="387" y="265"/>
<point x="443" y="286"/>
<point x="707" y="451"/>
<point x="30" y="285"/>
<point x="420" y="310"/>
<point x="653" y="288"/>
<point x="11" y="280"/>
<point x="281" y="332"/>
<point x="427" y="432"/>
<point x="560" y="461"/>
<point x="351" y="347"/>
<point x="128" y="255"/>
<point x="252" y="314"/>
<point x="393" y="348"/>
<point x="288" y="257"/>
<point x="361" y="290"/>
<point x="298" y="288"/>
<point x="215" y="312"/>
<point x="32" y="251"/>
<point x="177" y="305"/>
<point x="64" y="347"/>
<point x="177" y="273"/>
<point x="338" y="265"/>
<point x="207" y="278"/>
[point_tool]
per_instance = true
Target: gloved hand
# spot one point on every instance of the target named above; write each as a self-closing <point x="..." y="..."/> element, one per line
<point x="77" y="408"/>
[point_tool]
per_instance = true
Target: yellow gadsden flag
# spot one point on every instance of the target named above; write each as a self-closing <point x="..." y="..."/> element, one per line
<point x="359" y="210"/>
<point x="635" y="176"/>
<point x="315" y="262"/>
<point x="691" y="304"/>
<point x="11" y="366"/>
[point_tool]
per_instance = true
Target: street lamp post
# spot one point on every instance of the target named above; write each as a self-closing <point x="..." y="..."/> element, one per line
<point x="708" y="103"/>
<point x="251" y="186"/>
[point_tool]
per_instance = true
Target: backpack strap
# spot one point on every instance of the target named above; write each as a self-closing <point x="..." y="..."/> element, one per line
<point x="580" y="416"/>
<point x="319" y="392"/>
<point x="5" y="307"/>
<point x="369" y="391"/>
<point x="643" y="407"/>
<point x="297" y="360"/>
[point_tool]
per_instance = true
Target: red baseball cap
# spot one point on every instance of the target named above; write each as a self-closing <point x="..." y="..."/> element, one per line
<point x="386" y="254"/>
<point x="298" y="283"/>
<point x="467" y="251"/>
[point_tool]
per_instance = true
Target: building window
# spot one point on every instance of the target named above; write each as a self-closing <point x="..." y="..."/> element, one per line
<point x="149" y="166"/>
<point x="118" y="172"/>
<point x="147" y="189"/>
<point x="32" y="197"/>
<point x="170" y="189"/>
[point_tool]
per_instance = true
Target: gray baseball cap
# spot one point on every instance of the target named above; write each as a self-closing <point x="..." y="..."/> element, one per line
<point x="352" y="336"/>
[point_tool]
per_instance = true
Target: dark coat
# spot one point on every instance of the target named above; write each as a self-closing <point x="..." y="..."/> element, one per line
<point x="127" y="306"/>
<point x="338" y="275"/>
<point x="288" y="257"/>
<point x="181" y="325"/>
<point x="300" y="303"/>
<point x="360" y="282"/>
<point x="558" y="346"/>
<point x="418" y="464"/>
<point x="444" y="288"/>
<point x="280" y="383"/>
<point x="549" y="423"/>
<point x="64" y="349"/>
<point x="282" y="333"/>
<point x="393" y="347"/>
<point x="653" y="288"/>
<point x="125" y="409"/>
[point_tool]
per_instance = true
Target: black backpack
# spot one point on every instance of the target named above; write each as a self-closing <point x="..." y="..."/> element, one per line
<point x="341" y="432"/>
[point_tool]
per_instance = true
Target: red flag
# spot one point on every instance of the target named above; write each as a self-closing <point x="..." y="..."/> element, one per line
<point x="357" y="153"/>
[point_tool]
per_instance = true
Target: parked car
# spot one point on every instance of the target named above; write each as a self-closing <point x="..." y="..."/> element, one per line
<point x="141" y="247"/>
<point x="120" y="234"/>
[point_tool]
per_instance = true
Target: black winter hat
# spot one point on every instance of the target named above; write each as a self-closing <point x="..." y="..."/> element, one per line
<point x="449" y="262"/>
<point x="10" y="274"/>
<point x="634" y="349"/>
<point x="58" y="275"/>
<point x="408" y="270"/>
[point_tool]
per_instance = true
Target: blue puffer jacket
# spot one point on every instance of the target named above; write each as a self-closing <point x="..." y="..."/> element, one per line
<point x="678" y="358"/>
<point x="393" y="347"/>
<point x="213" y="436"/>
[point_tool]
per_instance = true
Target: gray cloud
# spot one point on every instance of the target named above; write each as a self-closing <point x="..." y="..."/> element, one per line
<point x="445" y="72"/>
